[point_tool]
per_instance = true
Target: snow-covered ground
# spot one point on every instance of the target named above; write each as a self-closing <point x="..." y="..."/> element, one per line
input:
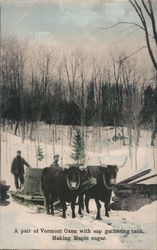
<point x="136" y="230"/>
<point x="16" y="216"/>
<point x="110" y="153"/>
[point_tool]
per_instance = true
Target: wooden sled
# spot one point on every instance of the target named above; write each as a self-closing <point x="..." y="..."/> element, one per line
<point x="32" y="193"/>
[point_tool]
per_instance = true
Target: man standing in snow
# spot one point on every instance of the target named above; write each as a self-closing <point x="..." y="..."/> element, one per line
<point x="55" y="161"/>
<point x="17" y="169"/>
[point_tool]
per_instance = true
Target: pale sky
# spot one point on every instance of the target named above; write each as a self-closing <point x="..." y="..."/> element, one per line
<point x="72" y="21"/>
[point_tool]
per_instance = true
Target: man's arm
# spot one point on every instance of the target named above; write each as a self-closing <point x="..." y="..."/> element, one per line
<point x="26" y="163"/>
<point x="12" y="165"/>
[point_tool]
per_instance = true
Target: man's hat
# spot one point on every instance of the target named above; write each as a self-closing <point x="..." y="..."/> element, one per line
<point x="56" y="155"/>
<point x="18" y="151"/>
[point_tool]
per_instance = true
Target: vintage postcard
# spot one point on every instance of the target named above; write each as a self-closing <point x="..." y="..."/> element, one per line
<point x="78" y="124"/>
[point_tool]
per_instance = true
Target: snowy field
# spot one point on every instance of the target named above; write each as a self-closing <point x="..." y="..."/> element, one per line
<point x="138" y="229"/>
<point x="17" y="217"/>
<point x="105" y="150"/>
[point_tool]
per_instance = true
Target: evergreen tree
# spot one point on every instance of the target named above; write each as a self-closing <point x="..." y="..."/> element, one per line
<point x="78" y="154"/>
<point x="40" y="154"/>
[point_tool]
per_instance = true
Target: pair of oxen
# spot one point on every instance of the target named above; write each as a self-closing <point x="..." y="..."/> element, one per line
<point x="66" y="184"/>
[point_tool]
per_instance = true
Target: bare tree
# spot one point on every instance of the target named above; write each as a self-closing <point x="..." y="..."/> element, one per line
<point x="98" y="78"/>
<point x="13" y="78"/>
<point x="145" y="12"/>
<point x="115" y="78"/>
<point x="40" y="84"/>
<point x="76" y="75"/>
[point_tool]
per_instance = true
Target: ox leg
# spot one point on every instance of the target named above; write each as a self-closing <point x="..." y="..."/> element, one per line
<point x="98" y="217"/>
<point x="64" y="208"/>
<point x="107" y="207"/>
<point x="87" y="198"/>
<point x="73" y="207"/>
<point x="81" y="204"/>
<point x="52" y="211"/>
<point x="47" y="203"/>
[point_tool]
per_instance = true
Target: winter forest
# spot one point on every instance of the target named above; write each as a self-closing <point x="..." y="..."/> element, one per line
<point x="76" y="88"/>
<point x="39" y="85"/>
<point x="79" y="80"/>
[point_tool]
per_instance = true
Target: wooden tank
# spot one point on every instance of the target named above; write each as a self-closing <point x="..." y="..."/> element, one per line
<point x="32" y="192"/>
<point x="32" y="184"/>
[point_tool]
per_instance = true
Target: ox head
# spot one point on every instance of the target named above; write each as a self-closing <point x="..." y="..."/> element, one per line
<point x="109" y="174"/>
<point x="74" y="176"/>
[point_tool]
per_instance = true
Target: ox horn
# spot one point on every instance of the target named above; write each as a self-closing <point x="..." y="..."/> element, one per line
<point x="121" y="166"/>
<point x="99" y="160"/>
<point x="101" y="164"/>
<point x="66" y="166"/>
<point x="85" y="164"/>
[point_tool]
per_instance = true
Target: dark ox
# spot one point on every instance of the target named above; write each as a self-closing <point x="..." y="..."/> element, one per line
<point x="64" y="184"/>
<point x="102" y="191"/>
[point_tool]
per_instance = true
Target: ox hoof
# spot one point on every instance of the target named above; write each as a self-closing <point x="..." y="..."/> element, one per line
<point x="107" y="215"/>
<point x="81" y="214"/>
<point x="52" y="213"/>
<point x="73" y="216"/>
<point x="98" y="218"/>
<point x="64" y="216"/>
<point x="48" y="213"/>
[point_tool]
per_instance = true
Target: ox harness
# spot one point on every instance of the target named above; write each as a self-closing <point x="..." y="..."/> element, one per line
<point x="105" y="184"/>
<point x="84" y="186"/>
<point x="70" y="186"/>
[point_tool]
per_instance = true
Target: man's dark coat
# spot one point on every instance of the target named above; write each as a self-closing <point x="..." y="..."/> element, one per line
<point x="17" y="166"/>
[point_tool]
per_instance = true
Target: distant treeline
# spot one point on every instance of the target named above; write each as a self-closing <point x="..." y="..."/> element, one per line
<point x="117" y="105"/>
<point x="74" y="89"/>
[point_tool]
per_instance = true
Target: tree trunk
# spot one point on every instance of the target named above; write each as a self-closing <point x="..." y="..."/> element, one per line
<point x="62" y="145"/>
<point x="53" y="139"/>
<point x="70" y="135"/>
<point x="130" y="135"/>
<point x="3" y="125"/>
<point x="16" y="127"/>
<point x="93" y="139"/>
<point x="115" y="129"/>
<point x="23" y="131"/>
<point x="154" y="160"/>
<point x="12" y="123"/>
<point x="123" y="136"/>
<point x="45" y="142"/>
<point x="9" y="140"/>
<point x="138" y="135"/>
<point x="154" y="131"/>
<point x="6" y="147"/>
<point x="0" y="146"/>
<point x="27" y="150"/>
<point x="136" y="148"/>
<point x="31" y="130"/>
<point x="55" y="132"/>
<point x="130" y="145"/>
<point x="99" y="133"/>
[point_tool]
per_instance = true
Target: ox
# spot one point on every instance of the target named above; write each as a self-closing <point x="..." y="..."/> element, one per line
<point x="64" y="184"/>
<point x="102" y="191"/>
